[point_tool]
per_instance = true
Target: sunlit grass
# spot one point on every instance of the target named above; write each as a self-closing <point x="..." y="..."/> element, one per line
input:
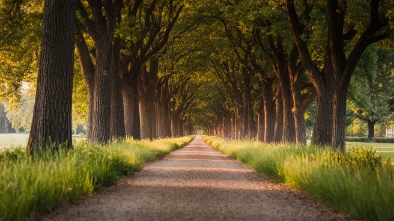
<point x="360" y="183"/>
<point x="28" y="187"/>
<point x="385" y="149"/>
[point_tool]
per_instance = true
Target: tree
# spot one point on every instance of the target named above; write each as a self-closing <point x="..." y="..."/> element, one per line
<point x="371" y="87"/>
<point x="5" y="125"/>
<point x="19" y="45"/>
<point x="346" y="38"/>
<point x="21" y="117"/>
<point x="51" y="125"/>
<point x="101" y="26"/>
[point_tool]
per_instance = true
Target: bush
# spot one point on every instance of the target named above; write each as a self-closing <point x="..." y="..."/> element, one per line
<point x="370" y="139"/>
<point x="359" y="157"/>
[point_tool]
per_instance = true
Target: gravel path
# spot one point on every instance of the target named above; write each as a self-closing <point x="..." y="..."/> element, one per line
<point x="196" y="182"/>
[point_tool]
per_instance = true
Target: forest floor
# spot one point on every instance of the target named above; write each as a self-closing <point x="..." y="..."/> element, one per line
<point x="196" y="182"/>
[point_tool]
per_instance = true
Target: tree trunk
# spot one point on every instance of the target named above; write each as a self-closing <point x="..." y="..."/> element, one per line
<point x="147" y="92"/>
<point x="278" y="134"/>
<point x="322" y="128"/>
<point x="131" y="110"/>
<point x="300" y="128"/>
<point x="52" y="123"/>
<point x="371" y="128"/>
<point x="240" y="121"/>
<point x="289" y="132"/>
<point x="159" y="118"/>
<point x="301" y="103"/>
<point x="166" y="120"/>
<point x="269" y="112"/>
<point x="339" y="121"/>
<point x="175" y="124"/>
<point x="260" y="123"/>
<point x="102" y="92"/>
<point x="117" y="127"/>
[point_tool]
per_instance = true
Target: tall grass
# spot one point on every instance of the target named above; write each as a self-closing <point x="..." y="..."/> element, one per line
<point x="30" y="186"/>
<point x="360" y="183"/>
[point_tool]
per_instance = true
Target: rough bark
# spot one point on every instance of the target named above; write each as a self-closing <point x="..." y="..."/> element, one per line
<point x="147" y="92"/>
<point x="102" y="93"/>
<point x="322" y="128"/>
<point x="101" y="26"/>
<point x="51" y="125"/>
<point x="117" y="127"/>
<point x="131" y="110"/>
<point x="339" y="120"/>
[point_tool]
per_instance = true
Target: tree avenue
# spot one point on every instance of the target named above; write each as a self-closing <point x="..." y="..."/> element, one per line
<point x="238" y="69"/>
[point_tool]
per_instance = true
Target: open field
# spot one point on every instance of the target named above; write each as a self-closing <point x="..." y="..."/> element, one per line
<point x="20" y="139"/>
<point x="385" y="149"/>
<point x="13" y="140"/>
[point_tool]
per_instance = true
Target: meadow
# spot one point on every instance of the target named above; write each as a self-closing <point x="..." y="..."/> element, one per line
<point x="359" y="183"/>
<point x="13" y="140"/>
<point x="32" y="186"/>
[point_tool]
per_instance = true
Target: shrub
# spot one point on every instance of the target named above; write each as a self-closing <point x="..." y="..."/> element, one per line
<point x="370" y="139"/>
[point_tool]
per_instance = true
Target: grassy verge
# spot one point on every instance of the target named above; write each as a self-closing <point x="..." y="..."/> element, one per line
<point x="28" y="187"/>
<point x="360" y="183"/>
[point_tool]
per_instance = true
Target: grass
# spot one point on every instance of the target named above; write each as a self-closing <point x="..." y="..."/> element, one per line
<point x="360" y="183"/>
<point x="384" y="149"/>
<point x="32" y="186"/>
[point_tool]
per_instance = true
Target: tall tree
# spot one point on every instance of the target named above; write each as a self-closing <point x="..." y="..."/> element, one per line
<point x="101" y="26"/>
<point x="346" y="40"/>
<point x="371" y="87"/>
<point x="52" y="111"/>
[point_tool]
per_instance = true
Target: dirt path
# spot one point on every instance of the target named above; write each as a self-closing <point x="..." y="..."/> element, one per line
<point x="196" y="182"/>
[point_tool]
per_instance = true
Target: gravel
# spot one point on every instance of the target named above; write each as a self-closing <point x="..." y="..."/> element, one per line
<point x="196" y="182"/>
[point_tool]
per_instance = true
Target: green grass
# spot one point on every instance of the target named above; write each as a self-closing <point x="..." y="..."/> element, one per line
<point x="385" y="149"/>
<point x="360" y="183"/>
<point x="29" y="187"/>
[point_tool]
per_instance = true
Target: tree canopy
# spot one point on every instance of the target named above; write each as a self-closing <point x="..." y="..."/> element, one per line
<point x="241" y="69"/>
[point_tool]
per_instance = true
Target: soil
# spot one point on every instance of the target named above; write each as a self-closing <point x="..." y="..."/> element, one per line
<point x="196" y="182"/>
